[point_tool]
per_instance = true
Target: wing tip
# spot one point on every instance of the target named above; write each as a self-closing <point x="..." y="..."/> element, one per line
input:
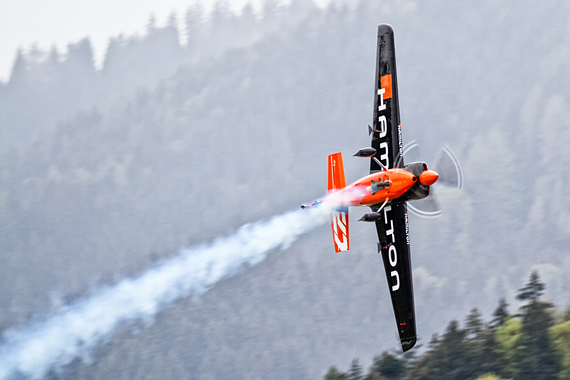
<point x="408" y="343"/>
<point x="385" y="28"/>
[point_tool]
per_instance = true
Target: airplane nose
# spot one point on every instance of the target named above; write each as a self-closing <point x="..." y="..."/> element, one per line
<point x="428" y="177"/>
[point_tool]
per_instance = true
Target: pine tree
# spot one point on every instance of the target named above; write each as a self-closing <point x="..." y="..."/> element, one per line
<point x="489" y="357"/>
<point x="455" y="353"/>
<point x="195" y="27"/>
<point x="387" y="367"/>
<point x="532" y="291"/>
<point x="536" y="356"/>
<point x="19" y="69"/>
<point x="474" y="343"/>
<point x="474" y="325"/>
<point x="448" y="357"/>
<point x="500" y="314"/>
<point x="335" y="374"/>
<point x="355" y="372"/>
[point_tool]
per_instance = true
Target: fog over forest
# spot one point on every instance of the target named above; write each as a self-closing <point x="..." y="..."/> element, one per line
<point x="105" y="173"/>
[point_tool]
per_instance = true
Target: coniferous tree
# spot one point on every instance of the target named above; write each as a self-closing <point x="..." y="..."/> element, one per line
<point x="486" y="351"/>
<point x="335" y="374"/>
<point x="195" y="25"/>
<point x="387" y="367"/>
<point x="536" y="356"/>
<point x="474" y="325"/>
<point x="489" y="358"/>
<point x="355" y="372"/>
<point x="500" y="314"/>
<point x="447" y="358"/>
<point x="428" y="366"/>
<point x="19" y="69"/>
<point x="532" y="290"/>
<point x="474" y="337"/>
<point x="454" y="352"/>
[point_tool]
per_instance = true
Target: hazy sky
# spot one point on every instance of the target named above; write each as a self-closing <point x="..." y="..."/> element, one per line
<point x="59" y="22"/>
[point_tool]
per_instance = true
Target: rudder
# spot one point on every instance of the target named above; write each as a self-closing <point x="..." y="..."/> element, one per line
<point x="339" y="216"/>
<point x="336" y="172"/>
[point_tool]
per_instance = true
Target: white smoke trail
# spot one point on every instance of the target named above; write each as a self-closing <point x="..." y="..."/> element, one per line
<point x="33" y="350"/>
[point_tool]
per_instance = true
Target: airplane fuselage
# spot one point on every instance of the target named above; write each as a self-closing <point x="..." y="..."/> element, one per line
<point x="374" y="188"/>
<point x="379" y="187"/>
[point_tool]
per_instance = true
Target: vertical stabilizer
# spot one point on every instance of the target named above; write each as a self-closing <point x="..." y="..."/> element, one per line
<point x="339" y="216"/>
<point x="336" y="172"/>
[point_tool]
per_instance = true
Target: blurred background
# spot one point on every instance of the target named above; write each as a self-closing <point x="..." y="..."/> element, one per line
<point x="223" y="113"/>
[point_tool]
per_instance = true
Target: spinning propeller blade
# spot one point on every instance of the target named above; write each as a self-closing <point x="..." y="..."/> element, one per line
<point x="450" y="175"/>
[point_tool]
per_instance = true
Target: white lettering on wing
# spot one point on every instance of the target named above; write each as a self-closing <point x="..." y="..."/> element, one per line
<point x="392" y="250"/>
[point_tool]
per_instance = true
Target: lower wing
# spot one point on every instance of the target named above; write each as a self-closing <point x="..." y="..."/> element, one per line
<point x="394" y="244"/>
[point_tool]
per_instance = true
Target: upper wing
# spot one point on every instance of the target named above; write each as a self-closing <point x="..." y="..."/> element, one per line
<point x="395" y="247"/>
<point x="392" y="228"/>
<point x="386" y="135"/>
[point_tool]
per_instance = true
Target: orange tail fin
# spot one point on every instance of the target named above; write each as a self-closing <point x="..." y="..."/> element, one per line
<point x="336" y="172"/>
<point x="339" y="216"/>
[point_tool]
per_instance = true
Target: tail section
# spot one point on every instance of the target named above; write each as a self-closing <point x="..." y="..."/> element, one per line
<point x="336" y="172"/>
<point x="339" y="224"/>
<point x="339" y="216"/>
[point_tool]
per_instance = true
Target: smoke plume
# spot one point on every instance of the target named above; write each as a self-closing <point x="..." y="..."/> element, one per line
<point x="33" y="350"/>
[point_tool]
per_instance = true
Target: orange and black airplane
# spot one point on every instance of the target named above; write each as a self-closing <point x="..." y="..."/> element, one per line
<point x="386" y="190"/>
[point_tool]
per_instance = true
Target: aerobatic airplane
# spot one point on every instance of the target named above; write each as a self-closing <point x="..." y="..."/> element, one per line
<point x="385" y="190"/>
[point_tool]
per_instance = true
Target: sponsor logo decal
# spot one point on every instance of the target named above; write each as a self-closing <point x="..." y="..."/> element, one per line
<point x="400" y="146"/>
<point x="385" y="92"/>
<point x="392" y="251"/>
<point x="407" y="230"/>
<point x="339" y="222"/>
<point x="383" y="127"/>
<point x="386" y="84"/>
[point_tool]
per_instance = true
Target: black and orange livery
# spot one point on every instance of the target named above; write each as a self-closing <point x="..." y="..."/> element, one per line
<point x="386" y="190"/>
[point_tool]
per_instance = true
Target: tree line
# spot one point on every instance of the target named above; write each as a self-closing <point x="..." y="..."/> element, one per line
<point x="528" y="345"/>
<point x="56" y="85"/>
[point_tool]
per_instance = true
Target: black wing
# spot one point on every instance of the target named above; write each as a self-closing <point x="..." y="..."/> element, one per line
<point x="395" y="247"/>
<point x="393" y="226"/>
<point x="386" y="135"/>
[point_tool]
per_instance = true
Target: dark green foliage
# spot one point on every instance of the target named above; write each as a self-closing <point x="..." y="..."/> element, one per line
<point x="535" y="355"/>
<point x="486" y="355"/>
<point x="335" y="374"/>
<point x="474" y="325"/>
<point x="482" y="347"/>
<point x="387" y="367"/>
<point x="501" y="313"/>
<point x="475" y="352"/>
<point x="532" y="291"/>
<point x="448" y="357"/>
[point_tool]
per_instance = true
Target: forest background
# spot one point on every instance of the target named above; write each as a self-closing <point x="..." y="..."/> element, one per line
<point x="105" y="172"/>
<point x="531" y="344"/>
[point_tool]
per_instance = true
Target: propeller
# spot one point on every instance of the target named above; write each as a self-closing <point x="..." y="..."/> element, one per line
<point x="450" y="176"/>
